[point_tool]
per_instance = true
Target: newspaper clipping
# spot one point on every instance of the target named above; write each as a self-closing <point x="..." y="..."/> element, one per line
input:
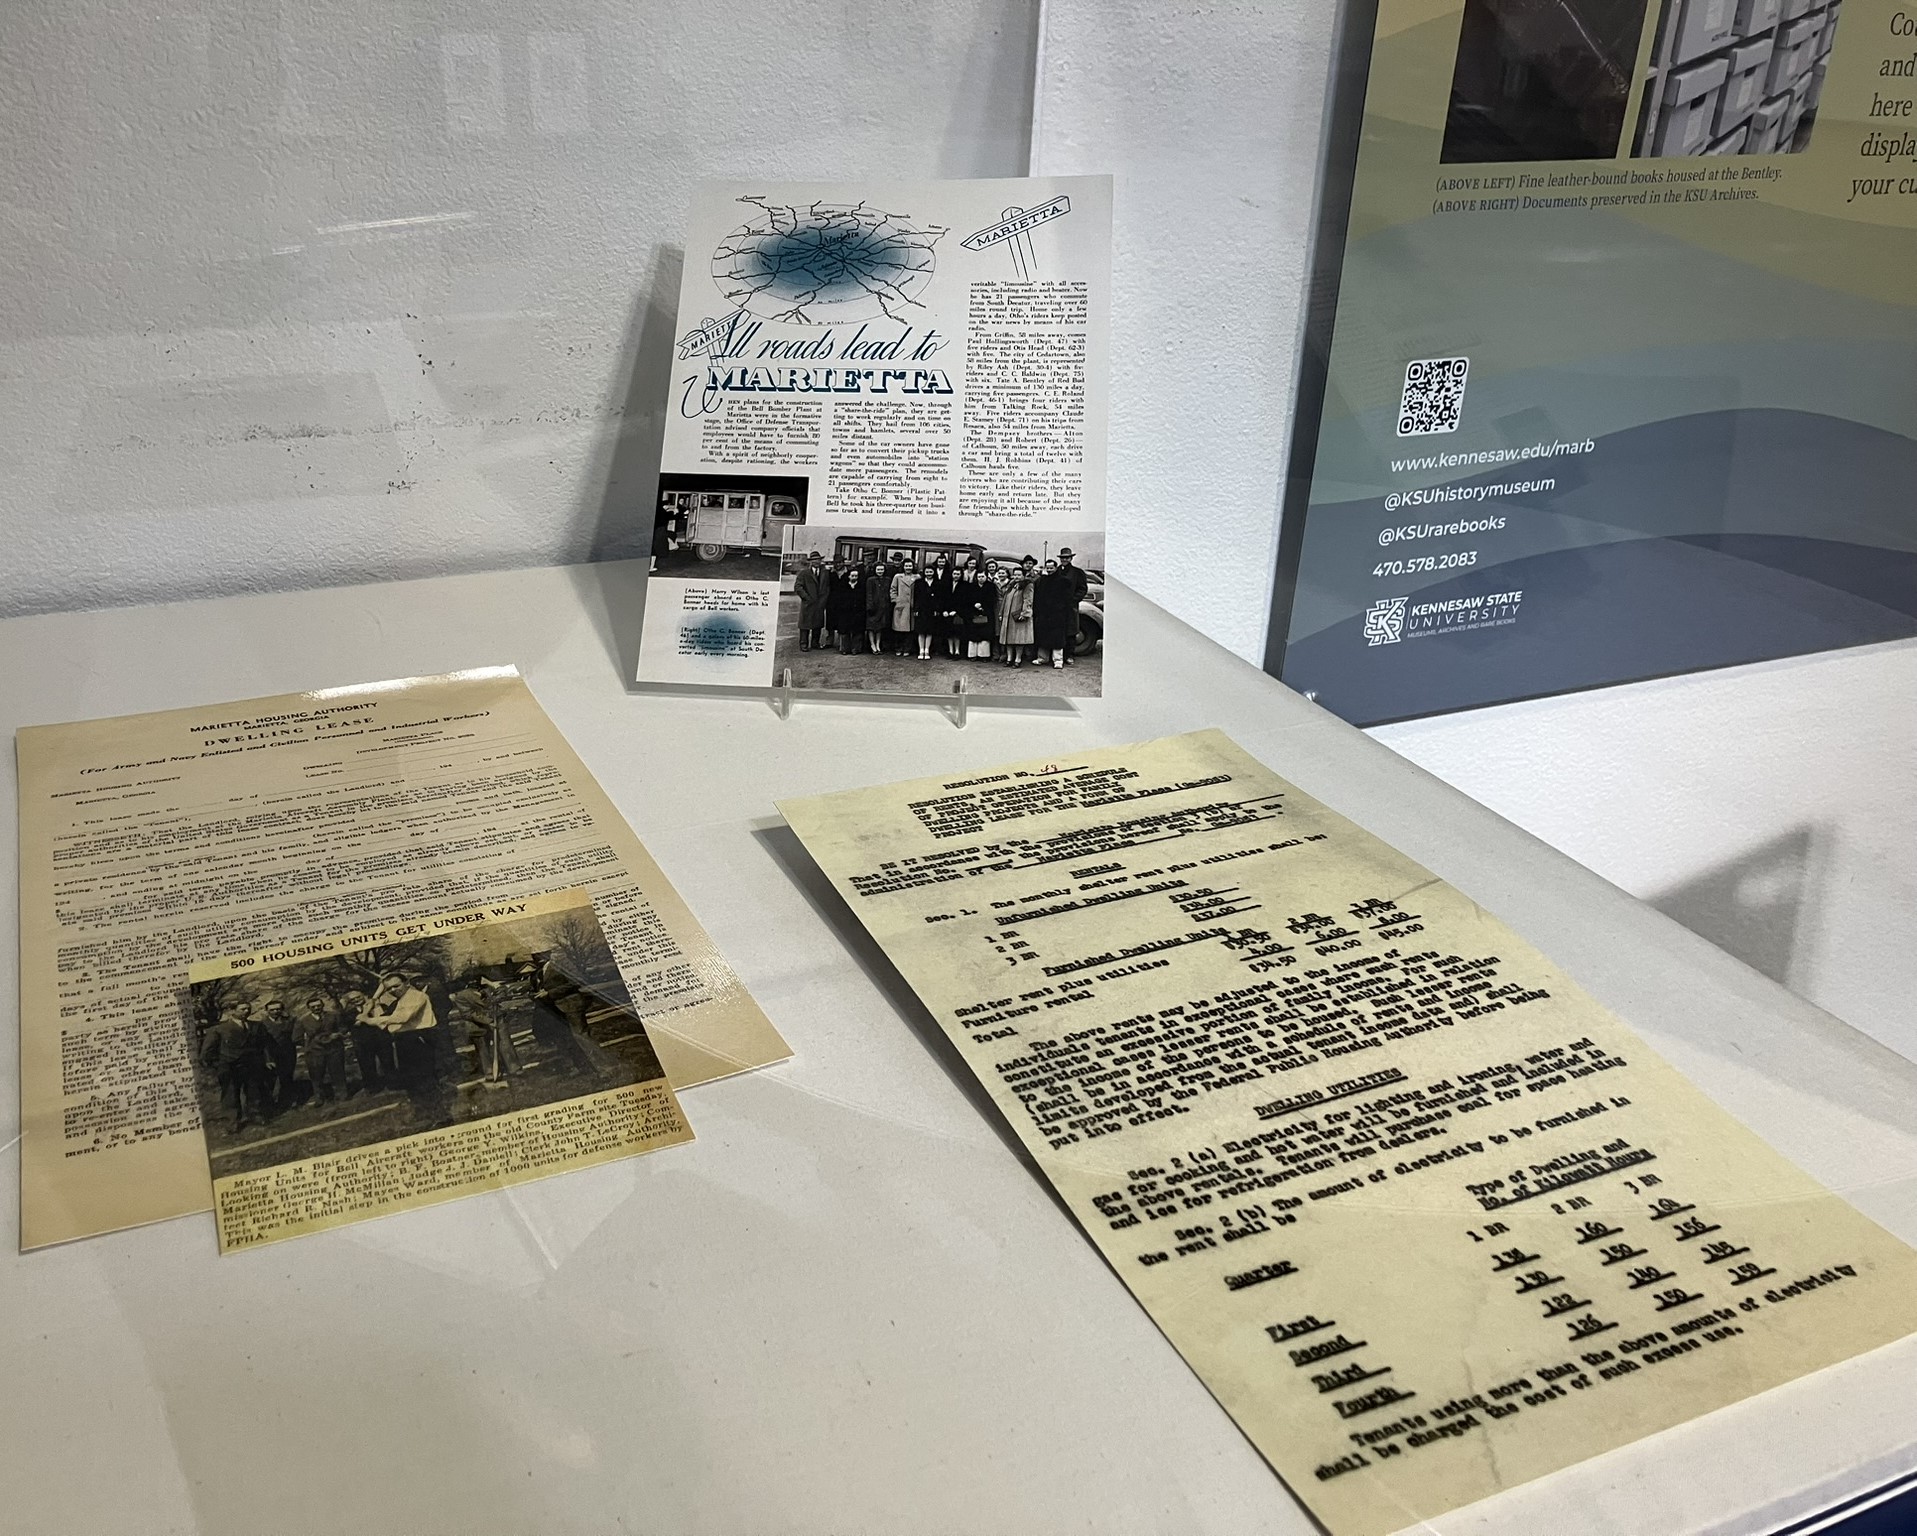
<point x="409" y="1063"/>
<point x="884" y="458"/>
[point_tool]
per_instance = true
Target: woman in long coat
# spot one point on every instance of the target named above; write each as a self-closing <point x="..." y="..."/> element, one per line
<point x="983" y="624"/>
<point x="1015" y="612"/>
<point x="925" y="600"/>
<point x="932" y="605"/>
<point x="965" y="604"/>
<point x="810" y="587"/>
<point x="903" y="581"/>
<point x="878" y="605"/>
<point x="1054" y="614"/>
<point x="947" y="593"/>
<point x="845" y="607"/>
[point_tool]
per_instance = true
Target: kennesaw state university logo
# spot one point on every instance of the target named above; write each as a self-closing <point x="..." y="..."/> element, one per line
<point x="1384" y="621"/>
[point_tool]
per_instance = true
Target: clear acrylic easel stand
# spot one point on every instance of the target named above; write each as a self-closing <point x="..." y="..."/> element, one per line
<point x="782" y="697"/>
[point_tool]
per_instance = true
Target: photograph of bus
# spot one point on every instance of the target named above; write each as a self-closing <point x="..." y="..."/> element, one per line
<point x="726" y="525"/>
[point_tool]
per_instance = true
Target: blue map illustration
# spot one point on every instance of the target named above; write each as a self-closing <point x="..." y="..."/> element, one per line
<point x="825" y="263"/>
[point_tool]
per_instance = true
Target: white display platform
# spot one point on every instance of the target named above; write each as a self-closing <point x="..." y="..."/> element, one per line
<point x="850" y="1306"/>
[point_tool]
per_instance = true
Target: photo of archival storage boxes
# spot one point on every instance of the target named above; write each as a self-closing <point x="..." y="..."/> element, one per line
<point x="1735" y="77"/>
<point x="368" y="1045"/>
<point x="915" y="608"/>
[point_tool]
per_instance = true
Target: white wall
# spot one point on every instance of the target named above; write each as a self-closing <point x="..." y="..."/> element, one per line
<point x="1773" y="809"/>
<point x="1207" y="117"/>
<point x="331" y="290"/>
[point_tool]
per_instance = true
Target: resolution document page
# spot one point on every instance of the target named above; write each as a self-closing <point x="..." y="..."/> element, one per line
<point x="151" y="843"/>
<point x="1426" y="1219"/>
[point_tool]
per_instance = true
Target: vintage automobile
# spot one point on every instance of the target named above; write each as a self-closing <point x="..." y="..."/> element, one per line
<point x="915" y="554"/>
<point x="721" y="523"/>
<point x="1091" y="616"/>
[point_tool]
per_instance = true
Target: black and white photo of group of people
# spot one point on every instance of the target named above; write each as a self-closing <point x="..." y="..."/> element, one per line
<point x="863" y="603"/>
<point x="338" y="1052"/>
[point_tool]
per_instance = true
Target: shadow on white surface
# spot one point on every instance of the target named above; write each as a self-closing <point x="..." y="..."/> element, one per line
<point x="785" y="848"/>
<point x="623" y="479"/>
<point x="1761" y="906"/>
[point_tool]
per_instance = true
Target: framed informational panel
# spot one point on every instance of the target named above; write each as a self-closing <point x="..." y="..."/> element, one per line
<point x="1611" y="359"/>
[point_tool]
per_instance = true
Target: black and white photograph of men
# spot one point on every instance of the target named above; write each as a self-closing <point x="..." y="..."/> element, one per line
<point x="367" y="1045"/>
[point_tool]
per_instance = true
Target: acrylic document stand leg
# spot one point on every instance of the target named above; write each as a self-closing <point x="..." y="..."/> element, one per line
<point x="782" y="697"/>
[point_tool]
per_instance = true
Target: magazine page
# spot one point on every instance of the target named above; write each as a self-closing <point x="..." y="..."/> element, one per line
<point x="884" y="457"/>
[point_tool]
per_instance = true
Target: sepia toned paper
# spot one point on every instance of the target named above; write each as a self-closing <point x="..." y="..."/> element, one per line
<point x="1426" y="1219"/>
<point x="408" y="1063"/>
<point x="149" y="843"/>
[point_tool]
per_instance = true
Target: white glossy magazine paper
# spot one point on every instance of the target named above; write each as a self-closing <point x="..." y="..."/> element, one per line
<point x="884" y="456"/>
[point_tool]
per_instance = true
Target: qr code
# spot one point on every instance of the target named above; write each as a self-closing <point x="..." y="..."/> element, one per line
<point x="1433" y="396"/>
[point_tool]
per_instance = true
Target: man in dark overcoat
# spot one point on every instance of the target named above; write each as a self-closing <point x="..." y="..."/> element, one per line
<point x="810" y="586"/>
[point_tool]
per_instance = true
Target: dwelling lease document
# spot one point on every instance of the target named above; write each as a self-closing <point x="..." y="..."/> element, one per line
<point x="149" y="843"/>
<point x="1426" y="1219"/>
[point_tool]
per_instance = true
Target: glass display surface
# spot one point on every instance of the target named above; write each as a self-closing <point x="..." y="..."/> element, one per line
<point x="337" y="293"/>
<point x="851" y="1291"/>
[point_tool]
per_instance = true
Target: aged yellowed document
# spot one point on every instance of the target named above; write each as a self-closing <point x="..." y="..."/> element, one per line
<point x="406" y="1063"/>
<point x="1426" y="1219"/>
<point x="149" y="843"/>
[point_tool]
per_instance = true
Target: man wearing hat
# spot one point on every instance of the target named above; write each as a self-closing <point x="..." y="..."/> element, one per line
<point x="810" y="587"/>
<point x="1079" y="583"/>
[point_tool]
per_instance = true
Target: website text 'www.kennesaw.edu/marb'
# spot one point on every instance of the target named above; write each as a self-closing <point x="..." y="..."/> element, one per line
<point x="1491" y="456"/>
